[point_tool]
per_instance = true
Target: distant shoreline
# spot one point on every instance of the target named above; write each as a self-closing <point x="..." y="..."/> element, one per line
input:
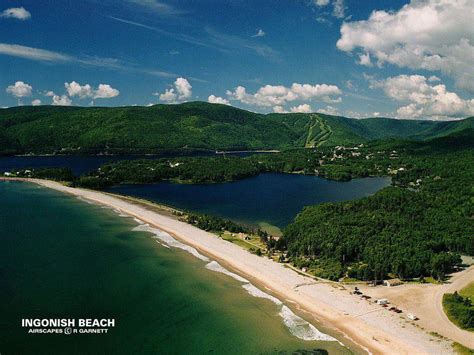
<point x="158" y="154"/>
<point x="330" y="303"/>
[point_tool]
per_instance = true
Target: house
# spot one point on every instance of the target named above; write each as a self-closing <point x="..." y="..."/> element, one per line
<point x="6" y="173"/>
<point x="392" y="282"/>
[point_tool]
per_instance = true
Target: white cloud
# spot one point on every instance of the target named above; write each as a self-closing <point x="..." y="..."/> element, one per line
<point x="62" y="100"/>
<point x="49" y="93"/>
<point x="321" y="2"/>
<point x="303" y="108"/>
<point x="16" y="50"/>
<point x="329" y="110"/>
<point x="184" y="88"/>
<point x="167" y="96"/>
<point x="422" y="99"/>
<point x="433" y="78"/>
<point x="104" y="91"/>
<point x="20" y="89"/>
<point x="279" y="109"/>
<point x="278" y="95"/>
<point x="339" y="9"/>
<point x="182" y="91"/>
<point x="36" y="102"/>
<point x="260" y="33"/>
<point x="43" y="55"/>
<point x="75" y="89"/>
<point x="435" y="35"/>
<point x="20" y="13"/>
<point x="217" y="100"/>
<point x="364" y="59"/>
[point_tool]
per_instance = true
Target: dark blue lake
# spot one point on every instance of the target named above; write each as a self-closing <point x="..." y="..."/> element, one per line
<point x="267" y="198"/>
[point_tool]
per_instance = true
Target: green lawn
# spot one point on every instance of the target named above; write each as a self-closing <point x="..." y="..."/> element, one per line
<point x="468" y="291"/>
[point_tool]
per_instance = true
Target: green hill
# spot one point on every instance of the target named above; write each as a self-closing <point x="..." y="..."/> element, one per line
<point x="191" y="126"/>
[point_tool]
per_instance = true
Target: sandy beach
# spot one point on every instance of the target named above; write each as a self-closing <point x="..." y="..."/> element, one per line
<point x="372" y="327"/>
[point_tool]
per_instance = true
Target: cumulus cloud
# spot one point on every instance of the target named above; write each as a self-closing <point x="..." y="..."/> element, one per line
<point x="278" y="95"/>
<point x="168" y="96"/>
<point x="329" y="110"/>
<point x="104" y="91"/>
<point x="303" y="108"/>
<point x="19" y="13"/>
<point x="19" y="89"/>
<point x="184" y="88"/>
<point x="181" y="91"/>
<point x="217" y="100"/>
<point x="279" y="109"/>
<point x="75" y="89"/>
<point x="36" y="102"/>
<point x="62" y="100"/>
<point x="435" y="35"/>
<point x="422" y="99"/>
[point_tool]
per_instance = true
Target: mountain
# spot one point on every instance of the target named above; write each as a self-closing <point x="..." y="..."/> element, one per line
<point x="192" y="126"/>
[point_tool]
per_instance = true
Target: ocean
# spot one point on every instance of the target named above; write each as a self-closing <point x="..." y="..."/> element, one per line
<point x="65" y="258"/>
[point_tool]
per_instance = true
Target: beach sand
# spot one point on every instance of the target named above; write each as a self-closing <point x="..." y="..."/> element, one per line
<point x="370" y="326"/>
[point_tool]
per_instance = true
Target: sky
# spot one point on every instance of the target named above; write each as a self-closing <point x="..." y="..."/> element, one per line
<point x="381" y="58"/>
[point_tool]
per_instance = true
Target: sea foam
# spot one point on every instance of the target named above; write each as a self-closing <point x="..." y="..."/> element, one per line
<point x="215" y="266"/>
<point x="295" y="324"/>
<point x="256" y="292"/>
<point x="169" y="240"/>
<point x="301" y="328"/>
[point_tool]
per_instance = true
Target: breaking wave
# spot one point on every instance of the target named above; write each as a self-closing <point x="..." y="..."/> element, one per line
<point x="169" y="240"/>
<point x="301" y="328"/>
<point x="215" y="266"/>
<point x="295" y="324"/>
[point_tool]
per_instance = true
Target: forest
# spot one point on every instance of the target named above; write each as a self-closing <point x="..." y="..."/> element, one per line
<point x="192" y="126"/>
<point x="417" y="227"/>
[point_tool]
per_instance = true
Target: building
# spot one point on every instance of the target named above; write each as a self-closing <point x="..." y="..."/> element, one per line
<point x="392" y="282"/>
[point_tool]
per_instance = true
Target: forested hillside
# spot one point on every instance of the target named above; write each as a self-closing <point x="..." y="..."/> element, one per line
<point x="416" y="228"/>
<point x="191" y="126"/>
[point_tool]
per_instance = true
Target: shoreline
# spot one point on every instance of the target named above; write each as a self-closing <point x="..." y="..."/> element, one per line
<point x="366" y="325"/>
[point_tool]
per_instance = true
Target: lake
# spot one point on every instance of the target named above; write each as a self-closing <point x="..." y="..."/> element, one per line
<point x="273" y="199"/>
<point x="65" y="258"/>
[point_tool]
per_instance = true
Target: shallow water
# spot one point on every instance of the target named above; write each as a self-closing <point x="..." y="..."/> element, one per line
<point x="63" y="258"/>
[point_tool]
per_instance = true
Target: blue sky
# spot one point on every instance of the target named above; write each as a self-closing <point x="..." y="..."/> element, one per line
<point x="331" y="56"/>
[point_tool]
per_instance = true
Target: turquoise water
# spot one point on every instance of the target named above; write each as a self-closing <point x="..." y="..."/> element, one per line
<point x="64" y="258"/>
<point x="271" y="198"/>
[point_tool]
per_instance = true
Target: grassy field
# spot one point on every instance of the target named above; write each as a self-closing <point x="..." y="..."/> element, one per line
<point x="468" y="291"/>
<point x="462" y="350"/>
<point x="254" y="242"/>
